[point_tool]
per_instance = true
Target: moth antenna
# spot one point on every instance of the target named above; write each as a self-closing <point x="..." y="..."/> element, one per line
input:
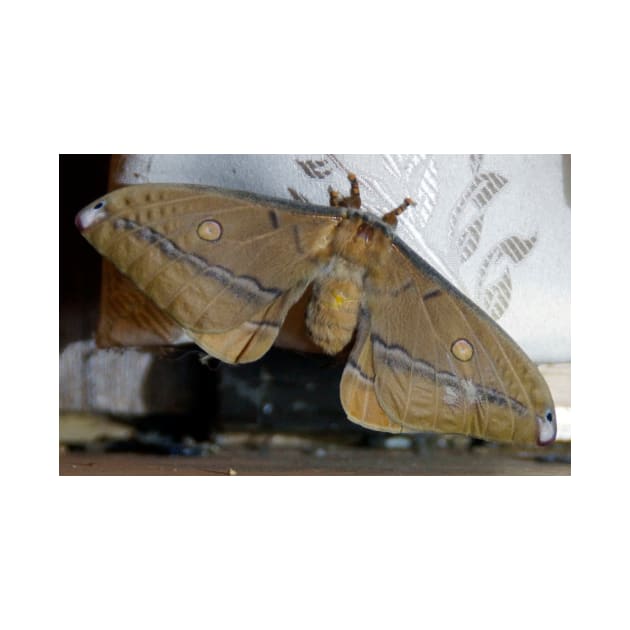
<point x="392" y="216"/>
<point x="354" y="200"/>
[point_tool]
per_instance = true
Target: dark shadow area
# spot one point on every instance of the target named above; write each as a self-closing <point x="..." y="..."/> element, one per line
<point x="82" y="178"/>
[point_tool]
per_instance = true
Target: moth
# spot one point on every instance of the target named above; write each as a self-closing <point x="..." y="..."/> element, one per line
<point x="227" y="266"/>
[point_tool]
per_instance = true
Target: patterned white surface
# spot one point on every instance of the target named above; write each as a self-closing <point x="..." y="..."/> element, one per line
<point x="497" y="226"/>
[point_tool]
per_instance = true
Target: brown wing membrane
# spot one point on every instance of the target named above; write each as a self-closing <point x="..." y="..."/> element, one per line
<point x="252" y="339"/>
<point x="358" y="396"/>
<point x="212" y="260"/>
<point x="441" y="364"/>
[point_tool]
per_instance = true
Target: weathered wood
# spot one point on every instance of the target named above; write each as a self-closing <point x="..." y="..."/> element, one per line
<point x="340" y="461"/>
<point x="133" y="382"/>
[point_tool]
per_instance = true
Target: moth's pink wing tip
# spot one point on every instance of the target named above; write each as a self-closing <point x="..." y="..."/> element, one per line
<point x="90" y="215"/>
<point x="547" y="428"/>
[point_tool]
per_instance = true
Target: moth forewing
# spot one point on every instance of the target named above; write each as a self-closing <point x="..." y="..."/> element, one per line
<point x="158" y="238"/>
<point x="486" y="384"/>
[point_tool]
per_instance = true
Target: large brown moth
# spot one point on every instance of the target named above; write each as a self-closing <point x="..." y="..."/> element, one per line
<point x="227" y="266"/>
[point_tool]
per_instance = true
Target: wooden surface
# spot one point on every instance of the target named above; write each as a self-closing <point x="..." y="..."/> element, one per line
<point x="235" y="461"/>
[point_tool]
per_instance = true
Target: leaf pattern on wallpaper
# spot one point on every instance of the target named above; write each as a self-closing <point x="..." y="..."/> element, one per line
<point x="404" y="175"/>
<point x="297" y="196"/>
<point x="468" y="240"/>
<point x="471" y="207"/>
<point x="494" y="282"/>
<point x="316" y="169"/>
<point x="475" y="162"/>
<point x="466" y="222"/>
<point x="496" y="298"/>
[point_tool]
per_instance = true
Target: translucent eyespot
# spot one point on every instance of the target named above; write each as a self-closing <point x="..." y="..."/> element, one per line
<point x="462" y="350"/>
<point x="549" y="415"/>
<point x="209" y="230"/>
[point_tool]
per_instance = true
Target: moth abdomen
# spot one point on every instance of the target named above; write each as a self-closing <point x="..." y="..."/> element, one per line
<point x="332" y="313"/>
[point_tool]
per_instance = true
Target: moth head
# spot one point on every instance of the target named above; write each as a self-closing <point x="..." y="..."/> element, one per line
<point x="91" y="215"/>
<point x="547" y="426"/>
<point x="362" y="242"/>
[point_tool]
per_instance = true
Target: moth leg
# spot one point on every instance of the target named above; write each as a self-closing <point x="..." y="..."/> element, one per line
<point x="335" y="201"/>
<point x="353" y="201"/>
<point x="392" y="216"/>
